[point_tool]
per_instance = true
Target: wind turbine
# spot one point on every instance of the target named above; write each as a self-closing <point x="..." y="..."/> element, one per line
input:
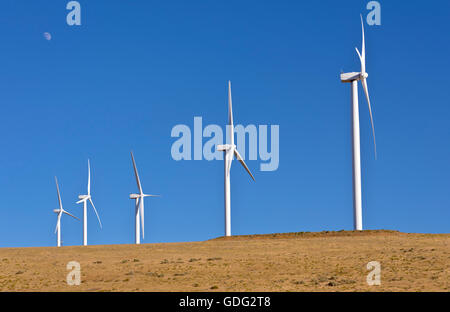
<point x="353" y="79"/>
<point x="230" y="151"/>
<point x="59" y="212"/>
<point x="139" y="200"/>
<point x="84" y="199"/>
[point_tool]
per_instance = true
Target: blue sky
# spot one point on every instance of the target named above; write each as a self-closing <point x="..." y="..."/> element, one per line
<point x="133" y="70"/>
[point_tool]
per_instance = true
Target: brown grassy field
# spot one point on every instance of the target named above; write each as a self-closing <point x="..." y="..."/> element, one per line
<point x="327" y="261"/>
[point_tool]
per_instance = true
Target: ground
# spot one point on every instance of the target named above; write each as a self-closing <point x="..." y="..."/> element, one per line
<point x="326" y="261"/>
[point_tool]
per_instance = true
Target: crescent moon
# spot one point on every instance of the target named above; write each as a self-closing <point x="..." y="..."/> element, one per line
<point x="47" y="36"/>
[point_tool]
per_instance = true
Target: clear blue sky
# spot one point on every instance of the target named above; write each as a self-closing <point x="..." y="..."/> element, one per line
<point x="135" y="69"/>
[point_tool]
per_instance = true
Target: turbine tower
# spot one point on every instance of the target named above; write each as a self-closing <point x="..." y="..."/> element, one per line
<point x="59" y="212"/>
<point x="84" y="199"/>
<point x="230" y="151"/>
<point x="139" y="204"/>
<point x="353" y="79"/>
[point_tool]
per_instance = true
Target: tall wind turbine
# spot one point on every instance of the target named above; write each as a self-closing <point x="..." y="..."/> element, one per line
<point x="139" y="206"/>
<point x="59" y="212"/>
<point x="230" y="151"/>
<point x="84" y="199"/>
<point x="353" y="79"/>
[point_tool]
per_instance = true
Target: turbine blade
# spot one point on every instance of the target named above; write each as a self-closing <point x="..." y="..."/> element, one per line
<point x="149" y="195"/>
<point x="136" y="202"/>
<point x="98" y="218"/>
<point x="230" y="108"/>
<point x="366" y="91"/>
<point x="230" y="115"/>
<point x="80" y="201"/>
<point x="363" y="49"/>
<point x="229" y="159"/>
<point x="138" y="181"/>
<point x="89" y="178"/>
<point x="58" y="222"/>
<point x="141" y="210"/>
<point x="70" y="215"/>
<point x="59" y="195"/>
<point x="241" y="160"/>
<point x="359" y="55"/>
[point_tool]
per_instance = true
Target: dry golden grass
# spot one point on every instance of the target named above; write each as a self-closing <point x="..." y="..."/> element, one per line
<point x="327" y="261"/>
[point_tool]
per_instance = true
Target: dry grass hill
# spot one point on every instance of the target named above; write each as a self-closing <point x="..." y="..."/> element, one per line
<point x="326" y="261"/>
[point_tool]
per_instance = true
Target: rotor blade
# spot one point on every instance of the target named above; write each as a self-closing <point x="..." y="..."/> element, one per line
<point x="359" y="55"/>
<point x="136" y="174"/>
<point x="59" y="195"/>
<point x="363" y="49"/>
<point x="241" y="160"/>
<point x="230" y="115"/>
<point x="149" y="195"/>
<point x="366" y="91"/>
<point x="229" y="159"/>
<point x="141" y="210"/>
<point x="89" y="178"/>
<point x="100" y="222"/>
<point x="70" y="215"/>
<point x="58" y="222"/>
<point x="138" y="204"/>
<point x="230" y="108"/>
<point x="80" y="201"/>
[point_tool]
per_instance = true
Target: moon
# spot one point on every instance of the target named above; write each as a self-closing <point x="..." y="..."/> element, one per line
<point x="47" y="36"/>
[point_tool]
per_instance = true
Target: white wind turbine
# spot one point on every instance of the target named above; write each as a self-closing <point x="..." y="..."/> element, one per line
<point x="230" y="151"/>
<point x="59" y="212"/>
<point x="353" y="79"/>
<point x="139" y="200"/>
<point x="84" y="199"/>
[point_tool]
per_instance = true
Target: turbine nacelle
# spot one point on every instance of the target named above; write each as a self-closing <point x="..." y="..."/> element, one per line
<point x="349" y="77"/>
<point x="136" y="196"/>
<point x="225" y="147"/>
<point x="56" y="210"/>
<point x="83" y="198"/>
